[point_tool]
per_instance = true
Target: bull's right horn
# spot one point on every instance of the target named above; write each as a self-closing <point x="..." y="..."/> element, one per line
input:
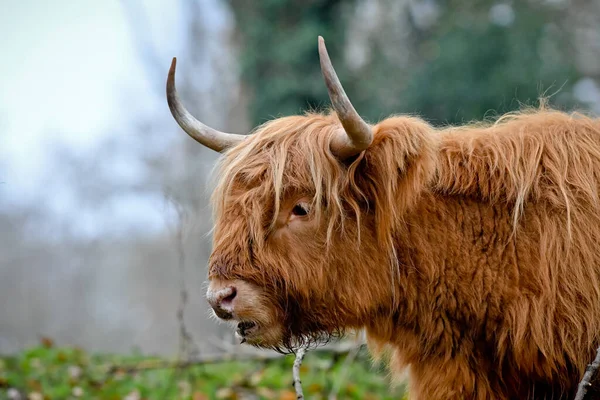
<point x="357" y="135"/>
<point x="209" y="137"/>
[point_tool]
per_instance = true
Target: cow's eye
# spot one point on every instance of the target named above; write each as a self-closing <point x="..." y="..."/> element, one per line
<point x="300" y="210"/>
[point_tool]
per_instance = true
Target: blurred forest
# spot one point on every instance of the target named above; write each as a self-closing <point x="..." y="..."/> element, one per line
<point x="108" y="252"/>
<point x="82" y="278"/>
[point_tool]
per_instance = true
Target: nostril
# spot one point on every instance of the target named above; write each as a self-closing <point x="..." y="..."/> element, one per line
<point x="229" y="298"/>
<point x="221" y="301"/>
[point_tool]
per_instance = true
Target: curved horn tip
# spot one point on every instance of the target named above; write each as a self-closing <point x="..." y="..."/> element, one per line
<point x="205" y="135"/>
<point x="171" y="75"/>
<point x="322" y="48"/>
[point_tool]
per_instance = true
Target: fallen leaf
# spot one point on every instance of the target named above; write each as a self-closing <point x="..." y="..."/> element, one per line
<point x="266" y="393"/>
<point x="256" y="377"/>
<point x="199" y="396"/>
<point x="314" y="388"/>
<point x="35" y="396"/>
<point x="14" y="394"/>
<point x="46" y="342"/>
<point x="74" y="372"/>
<point x="135" y="395"/>
<point x="35" y="385"/>
<point x="287" y="395"/>
<point x="225" y="393"/>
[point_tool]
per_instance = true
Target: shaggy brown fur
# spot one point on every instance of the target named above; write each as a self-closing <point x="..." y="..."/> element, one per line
<point x="470" y="254"/>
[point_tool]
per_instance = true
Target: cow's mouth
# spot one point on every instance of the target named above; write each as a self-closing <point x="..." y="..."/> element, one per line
<point x="246" y="329"/>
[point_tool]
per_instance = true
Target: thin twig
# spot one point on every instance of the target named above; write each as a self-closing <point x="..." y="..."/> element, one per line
<point x="149" y="365"/>
<point x="188" y="349"/>
<point x="187" y="345"/>
<point x="296" y="372"/>
<point x="586" y="382"/>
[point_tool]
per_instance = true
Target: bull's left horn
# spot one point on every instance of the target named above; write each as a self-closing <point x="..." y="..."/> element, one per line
<point x="358" y="134"/>
<point x="209" y="137"/>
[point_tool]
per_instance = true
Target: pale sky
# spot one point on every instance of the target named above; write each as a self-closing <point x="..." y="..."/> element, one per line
<point x="71" y="75"/>
<point x="62" y="61"/>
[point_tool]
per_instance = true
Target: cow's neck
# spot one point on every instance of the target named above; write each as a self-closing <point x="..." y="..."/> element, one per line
<point x="448" y="249"/>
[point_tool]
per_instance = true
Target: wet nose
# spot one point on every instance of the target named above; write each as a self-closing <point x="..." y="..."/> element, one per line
<point x="221" y="301"/>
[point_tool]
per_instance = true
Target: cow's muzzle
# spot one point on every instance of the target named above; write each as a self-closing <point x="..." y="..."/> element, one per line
<point x="221" y="301"/>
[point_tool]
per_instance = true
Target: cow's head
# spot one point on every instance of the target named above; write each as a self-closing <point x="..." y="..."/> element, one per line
<point x="304" y="208"/>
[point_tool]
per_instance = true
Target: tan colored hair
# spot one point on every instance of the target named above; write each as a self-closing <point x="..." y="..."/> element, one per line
<point x="471" y="252"/>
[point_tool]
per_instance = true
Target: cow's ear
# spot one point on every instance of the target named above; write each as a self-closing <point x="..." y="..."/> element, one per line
<point x="396" y="168"/>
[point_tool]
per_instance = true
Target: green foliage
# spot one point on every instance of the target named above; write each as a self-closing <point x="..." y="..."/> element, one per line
<point x="70" y="373"/>
<point x="469" y="68"/>
<point x="279" y="60"/>
<point x="464" y="66"/>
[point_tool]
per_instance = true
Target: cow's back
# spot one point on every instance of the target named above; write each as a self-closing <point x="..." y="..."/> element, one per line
<point x="512" y="223"/>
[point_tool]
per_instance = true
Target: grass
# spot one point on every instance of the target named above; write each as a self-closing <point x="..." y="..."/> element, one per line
<point x="47" y="373"/>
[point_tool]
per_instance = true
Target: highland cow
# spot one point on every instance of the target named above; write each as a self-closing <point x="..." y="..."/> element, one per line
<point x="468" y="254"/>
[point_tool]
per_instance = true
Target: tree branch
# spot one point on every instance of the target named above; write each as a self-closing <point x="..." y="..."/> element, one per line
<point x="148" y="365"/>
<point x="586" y="382"/>
<point x="296" y="372"/>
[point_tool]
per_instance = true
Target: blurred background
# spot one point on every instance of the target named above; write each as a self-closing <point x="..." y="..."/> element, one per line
<point x="104" y="215"/>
